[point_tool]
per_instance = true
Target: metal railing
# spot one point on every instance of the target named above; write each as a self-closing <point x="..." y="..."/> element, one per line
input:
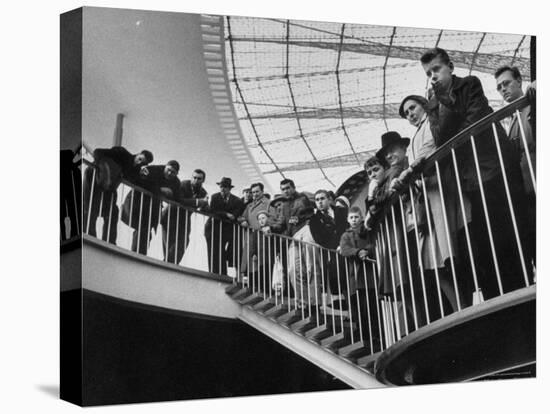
<point x="409" y="283"/>
<point x="461" y="231"/>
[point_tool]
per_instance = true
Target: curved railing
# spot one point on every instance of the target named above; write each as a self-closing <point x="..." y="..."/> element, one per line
<point x="387" y="297"/>
<point x="476" y="239"/>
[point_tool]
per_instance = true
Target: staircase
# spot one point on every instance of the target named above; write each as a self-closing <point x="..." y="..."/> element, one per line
<point x="325" y="339"/>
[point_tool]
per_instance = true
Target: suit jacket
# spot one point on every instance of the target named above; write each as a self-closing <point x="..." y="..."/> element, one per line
<point x="468" y="105"/>
<point x="299" y="206"/>
<point x="156" y="183"/>
<point x="188" y="195"/>
<point x="326" y="231"/>
<point x="123" y="158"/>
<point x="219" y="208"/>
<point x="514" y="135"/>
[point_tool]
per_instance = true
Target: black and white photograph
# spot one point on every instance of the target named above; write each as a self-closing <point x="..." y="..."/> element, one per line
<point x="293" y="207"/>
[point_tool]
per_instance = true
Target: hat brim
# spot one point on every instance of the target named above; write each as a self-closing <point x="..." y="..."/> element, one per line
<point x="382" y="151"/>
<point x="230" y="186"/>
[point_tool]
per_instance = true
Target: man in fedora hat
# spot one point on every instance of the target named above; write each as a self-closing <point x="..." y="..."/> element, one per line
<point x="219" y="230"/>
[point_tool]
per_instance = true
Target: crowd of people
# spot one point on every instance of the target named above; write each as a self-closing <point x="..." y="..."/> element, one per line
<point x="439" y="232"/>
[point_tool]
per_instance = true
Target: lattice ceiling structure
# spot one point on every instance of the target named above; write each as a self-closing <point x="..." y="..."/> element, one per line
<point x="313" y="98"/>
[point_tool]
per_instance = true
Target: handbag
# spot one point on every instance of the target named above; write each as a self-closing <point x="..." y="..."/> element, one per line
<point x="278" y="277"/>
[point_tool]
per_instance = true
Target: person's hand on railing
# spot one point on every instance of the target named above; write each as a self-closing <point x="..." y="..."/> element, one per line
<point x="230" y="216"/>
<point x="244" y="223"/>
<point x="266" y="230"/>
<point x="143" y="171"/>
<point x="397" y="185"/>
<point x="362" y="254"/>
<point x="418" y="164"/>
<point x="293" y="220"/>
<point x="373" y="185"/>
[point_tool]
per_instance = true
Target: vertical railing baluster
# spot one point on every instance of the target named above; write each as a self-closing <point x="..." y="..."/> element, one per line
<point x="75" y="204"/>
<point x="465" y="221"/>
<point x="527" y="152"/>
<point x="149" y="222"/>
<point x="346" y="267"/>
<point x="368" y="306"/>
<point x="432" y="245"/>
<point x="511" y="205"/>
<point x="177" y="234"/>
<point x="91" y="200"/>
<point x="408" y="257"/>
<point x="394" y="290"/>
<point x="339" y="290"/>
<point x="357" y="299"/>
<point x="486" y="212"/>
<point x="139" y="223"/>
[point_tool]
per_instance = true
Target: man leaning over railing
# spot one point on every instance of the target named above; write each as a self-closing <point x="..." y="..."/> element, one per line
<point x="141" y="209"/>
<point x="100" y="186"/>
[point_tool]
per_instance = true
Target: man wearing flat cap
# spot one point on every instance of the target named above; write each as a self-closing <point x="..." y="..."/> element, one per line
<point x="141" y="209"/>
<point x="220" y="227"/>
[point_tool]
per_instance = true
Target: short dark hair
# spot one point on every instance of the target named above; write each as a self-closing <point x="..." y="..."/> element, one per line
<point x="257" y="185"/>
<point x="431" y="54"/>
<point x="356" y="210"/>
<point x="515" y="72"/>
<point x="148" y="156"/>
<point x="325" y="192"/>
<point x="372" y="161"/>
<point x="288" y="181"/>
<point x="199" y="171"/>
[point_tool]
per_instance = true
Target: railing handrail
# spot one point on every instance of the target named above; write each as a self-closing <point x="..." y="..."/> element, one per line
<point x="211" y="215"/>
<point x="459" y="139"/>
<point x="476" y="127"/>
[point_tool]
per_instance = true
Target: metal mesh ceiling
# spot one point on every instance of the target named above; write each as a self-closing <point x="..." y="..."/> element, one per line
<point x="313" y="98"/>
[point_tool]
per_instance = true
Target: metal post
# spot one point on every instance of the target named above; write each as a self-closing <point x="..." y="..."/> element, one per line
<point x="447" y="233"/>
<point x="510" y="205"/>
<point x="430" y="232"/>
<point x="168" y="232"/>
<point x="392" y="272"/>
<point x="419" y="255"/>
<point x="90" y="202"/>
<point x="359" y="315"/>
<point x="323" y="289"/>
<point x="177" y="234"/>
<point x="149" y="222"/>
<point x="139" y="224"/>
<point x="485" y="211"/>
<point x="220" y="266"/>
<point x="407" y="254"/>
<point x="75" y="204"/>
<point x="527" y="155"/>
<point x="465" y="220"/>
<point x="339" y="289"/>
<point x="349" y="300"/>
<point x="368" y="305"/>
<point x="315" y="287"/>
<point x="110" y="219"/>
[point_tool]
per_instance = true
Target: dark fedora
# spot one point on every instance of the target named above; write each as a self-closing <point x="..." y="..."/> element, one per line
<point x="225" y="182"/>
<point x="420" y="99"/>
<point x="390" y="138"/>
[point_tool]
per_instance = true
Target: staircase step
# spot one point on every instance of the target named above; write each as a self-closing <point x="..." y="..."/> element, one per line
<point x="241" y="293"/>
<point x="368" y="362"/>
<point x="232" y="288"/>
<point x="276" y="311"/>
<point x="355" y="350"/>
<point x="264" y="305"/>
<point x="334" y="341"/>
<point x="251" y="299"/>
<point x="290" y="317"/>
<point x="304" y="325"/>
<point x="319" y="332"/>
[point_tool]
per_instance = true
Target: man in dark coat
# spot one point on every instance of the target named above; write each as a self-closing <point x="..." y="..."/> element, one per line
<point x="454" y="104"/>
<point x="521" y="131"/>
<point x="141" y="209"/>
<point x="176" y="221"/>
<point x="327" y="226"/>
<point x="220" y="228"/>
<point x="101" y="183"/>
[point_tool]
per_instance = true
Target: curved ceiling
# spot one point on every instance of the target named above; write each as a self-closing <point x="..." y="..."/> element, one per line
<point x="313" y="98"/>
